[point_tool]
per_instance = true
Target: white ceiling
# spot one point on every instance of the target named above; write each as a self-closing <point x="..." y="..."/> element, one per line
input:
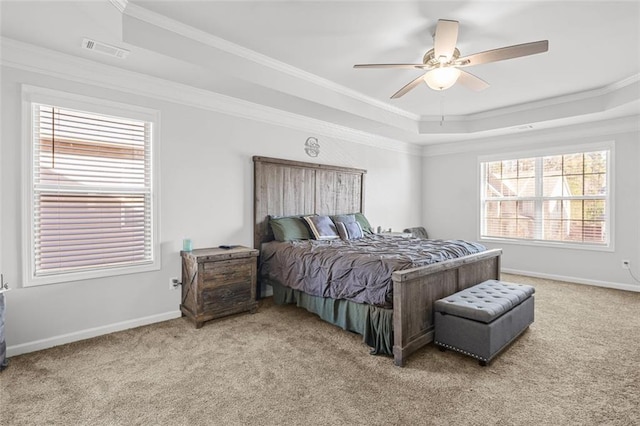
<point x="298" y="56"/>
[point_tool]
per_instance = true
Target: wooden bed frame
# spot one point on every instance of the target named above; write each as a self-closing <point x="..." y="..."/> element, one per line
<point x="284" y="188"/>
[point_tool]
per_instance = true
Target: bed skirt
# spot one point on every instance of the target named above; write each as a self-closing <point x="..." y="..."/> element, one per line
<point x="375" y="324"/>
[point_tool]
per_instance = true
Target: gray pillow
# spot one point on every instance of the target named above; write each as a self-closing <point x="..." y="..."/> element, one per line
<point x="349" y="231"/>
<point x="322" y="227"/>
<point x="344" y="218"/>
<point x="354" y="230"/>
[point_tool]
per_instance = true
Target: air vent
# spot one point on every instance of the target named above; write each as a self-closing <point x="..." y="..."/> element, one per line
<point x="105" y="49"/>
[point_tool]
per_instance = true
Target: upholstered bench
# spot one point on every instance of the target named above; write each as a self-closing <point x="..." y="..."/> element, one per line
<point x="482" y="320"/>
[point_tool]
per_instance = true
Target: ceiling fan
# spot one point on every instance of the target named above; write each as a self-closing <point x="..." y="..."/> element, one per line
<point x="443" y="62"/>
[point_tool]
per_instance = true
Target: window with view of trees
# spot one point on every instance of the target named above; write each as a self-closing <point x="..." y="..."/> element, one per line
<point x="91" y="193"/>
<point x="560" y="198"/>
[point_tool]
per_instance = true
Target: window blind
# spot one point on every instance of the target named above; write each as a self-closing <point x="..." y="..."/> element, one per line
<point x="560" y="198"/>
<point x="91" y="191"/>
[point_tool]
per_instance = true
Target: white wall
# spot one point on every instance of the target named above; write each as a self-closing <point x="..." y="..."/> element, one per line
<point x="451" y="206"/>
<point x="206" y="193"/>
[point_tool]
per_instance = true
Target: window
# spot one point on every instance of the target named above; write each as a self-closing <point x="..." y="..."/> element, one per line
<point x="559" y="198"/>
<point x="91" y="193"/>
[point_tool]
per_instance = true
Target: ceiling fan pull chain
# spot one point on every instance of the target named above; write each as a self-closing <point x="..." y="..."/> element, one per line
<point x="441" y="108"/>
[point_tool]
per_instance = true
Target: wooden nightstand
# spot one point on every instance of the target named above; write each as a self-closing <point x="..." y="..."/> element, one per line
<point x="218" y="282"/>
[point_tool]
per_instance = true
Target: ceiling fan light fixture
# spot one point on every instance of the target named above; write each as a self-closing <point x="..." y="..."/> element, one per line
<point x="442" y="78"/>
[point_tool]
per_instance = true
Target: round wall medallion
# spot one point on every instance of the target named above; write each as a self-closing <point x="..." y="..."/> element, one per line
<point x="312" y="147"/>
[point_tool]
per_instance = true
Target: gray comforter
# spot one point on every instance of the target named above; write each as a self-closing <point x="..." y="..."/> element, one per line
<point x="357" y="270"/>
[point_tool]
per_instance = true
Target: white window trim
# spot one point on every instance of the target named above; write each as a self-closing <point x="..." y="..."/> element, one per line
<point x="558" y="150"/>
<point x="33" y="94"/>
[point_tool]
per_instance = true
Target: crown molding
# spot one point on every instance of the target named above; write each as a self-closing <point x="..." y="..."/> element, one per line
<point x="559" y="100"/>
<point x="28" y="57"/>
<point x="622" y="83"/>
<point x="192" y="33"/>
<point x="558" y="111"/>
<point x="541" y="104"/>
<point x="121" y="5"/>
<point x="601" y="128"/>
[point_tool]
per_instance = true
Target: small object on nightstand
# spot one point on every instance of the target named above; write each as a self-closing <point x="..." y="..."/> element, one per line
<point x="395" y="234"/>
<point x="417" y="232"/>
<point x="217" y="282"/>
<point x="186" y="244"/>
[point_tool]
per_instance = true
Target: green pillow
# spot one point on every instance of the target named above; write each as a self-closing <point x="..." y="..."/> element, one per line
<point x="289" y="228"/>
<point x="364" y="223"/>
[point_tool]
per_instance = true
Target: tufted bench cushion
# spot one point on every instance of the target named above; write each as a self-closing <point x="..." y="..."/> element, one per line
<point x="484" y="319"/>
<point x="485" y="301"/>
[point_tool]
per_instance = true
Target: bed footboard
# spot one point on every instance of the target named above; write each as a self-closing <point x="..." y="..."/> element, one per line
<point x="415" y="290"/>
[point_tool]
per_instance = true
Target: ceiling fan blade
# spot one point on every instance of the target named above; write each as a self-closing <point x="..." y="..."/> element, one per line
<point x="445" y="39"/>
<point x="407" y="66"/>
<point x="503" y="53"/>
<point x="471" y="81"/>
<point x="408" y="87"/>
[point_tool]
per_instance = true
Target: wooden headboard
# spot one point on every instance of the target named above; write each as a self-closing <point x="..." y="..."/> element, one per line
<point x="286" y="188"/>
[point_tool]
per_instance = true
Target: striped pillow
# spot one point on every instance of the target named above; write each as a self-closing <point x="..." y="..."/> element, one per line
<point x="322" y="227"/>
<point x="349" y="231"/>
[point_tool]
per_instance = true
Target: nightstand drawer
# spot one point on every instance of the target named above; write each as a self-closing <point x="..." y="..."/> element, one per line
<point x="228" y="297"/>
<point x="226" y="272"/>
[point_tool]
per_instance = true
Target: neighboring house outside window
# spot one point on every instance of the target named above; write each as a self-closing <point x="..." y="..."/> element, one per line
<point x="559" y="199"/>
<point x="91" y="190"/>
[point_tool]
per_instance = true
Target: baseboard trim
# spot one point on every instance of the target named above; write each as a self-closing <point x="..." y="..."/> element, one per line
<point x="575" y="280"/>
<point x="62" y="339"/>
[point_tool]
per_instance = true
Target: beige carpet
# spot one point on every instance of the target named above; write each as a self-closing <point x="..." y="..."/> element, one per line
<point x="579" y="363"/>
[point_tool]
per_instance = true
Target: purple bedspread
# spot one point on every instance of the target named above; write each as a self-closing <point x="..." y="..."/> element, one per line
<point x="356" y="270"/>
